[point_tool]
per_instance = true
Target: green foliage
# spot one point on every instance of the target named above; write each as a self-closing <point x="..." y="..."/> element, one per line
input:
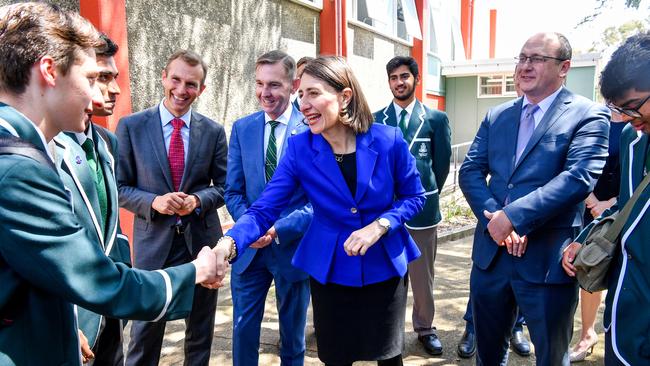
<point x="602" y="4"/>
<point x="614" y="36"/>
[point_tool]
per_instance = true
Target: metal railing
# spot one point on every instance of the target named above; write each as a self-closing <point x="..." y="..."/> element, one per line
<point x="455" y="164"/>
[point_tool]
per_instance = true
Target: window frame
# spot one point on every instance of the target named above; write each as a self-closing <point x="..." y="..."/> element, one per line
<point x="504" y="86"/>
<point x="352" y="6"/>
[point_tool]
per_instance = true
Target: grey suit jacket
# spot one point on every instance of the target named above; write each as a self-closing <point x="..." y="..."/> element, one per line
<point x="143" y="174"/>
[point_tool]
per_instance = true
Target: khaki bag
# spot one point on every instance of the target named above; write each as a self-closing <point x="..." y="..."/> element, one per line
<point x="594" y="257"/>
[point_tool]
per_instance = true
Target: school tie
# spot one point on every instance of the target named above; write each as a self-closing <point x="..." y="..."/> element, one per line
<point x="526" y="128"/>
<point x="402" y="121"/>
<point x="98" y="176"/>
<point x="176" y="154"/>
<point x="271" y="153"/>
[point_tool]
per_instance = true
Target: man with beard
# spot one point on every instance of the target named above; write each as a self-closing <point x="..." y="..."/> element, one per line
<point x="86" y="163"/>
<point x="429" y="137"/>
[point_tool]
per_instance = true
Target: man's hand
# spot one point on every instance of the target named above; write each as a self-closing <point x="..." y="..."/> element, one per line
<point x="568" y="256"/>
<point x="86" y="353"/>
<point x="499" y="226"/>
<point x="515" y="244"/>
<point x="361" y="240"/>
<point x="206" y="269"/>
<point x="169" y="203"/>
<point x="190" y="203"/>
<point x="265" y="239"/>
<point x="599" y="207"/>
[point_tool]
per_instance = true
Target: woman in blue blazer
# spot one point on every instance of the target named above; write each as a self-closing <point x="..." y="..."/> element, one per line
<point x="363" y="185"/>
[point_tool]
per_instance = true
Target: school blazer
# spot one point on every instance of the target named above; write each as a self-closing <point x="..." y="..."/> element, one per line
<point x="388" y="185"/>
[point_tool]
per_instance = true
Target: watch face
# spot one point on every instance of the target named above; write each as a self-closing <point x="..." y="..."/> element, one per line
<point x="384" y="223"/>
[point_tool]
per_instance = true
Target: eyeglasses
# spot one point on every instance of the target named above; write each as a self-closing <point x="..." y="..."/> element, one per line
<point x="536" y="60"/>
<point x="630" y="112"/>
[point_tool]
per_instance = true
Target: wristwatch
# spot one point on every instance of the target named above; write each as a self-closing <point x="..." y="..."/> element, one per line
<point x="384" y="223"/>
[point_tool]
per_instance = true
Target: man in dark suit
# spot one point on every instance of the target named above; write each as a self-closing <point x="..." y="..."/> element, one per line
<point x="86" y="162"/>
<point x="171" y="176"/>
<point x="625" y="85"/>
<point x="48" y="260"/>
<point x="429" y="137"/>
<point x="257" y="143"/>
<point x="543" y="153"/>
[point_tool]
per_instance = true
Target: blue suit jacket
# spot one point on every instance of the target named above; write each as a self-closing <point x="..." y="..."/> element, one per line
<point x="143" y="173"/>
<point x="542" y="194"/>
<point x="388" y="185"/>
<point x="245" y="182"/>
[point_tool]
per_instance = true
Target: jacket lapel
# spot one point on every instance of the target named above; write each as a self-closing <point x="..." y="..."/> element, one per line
<point x="415" y="123"/>
<point x="294" y="127"/>
<point x="637" y="160"/>
<point x="558" y="107"/>
<point x="509" y="132"/>
<point x="366" y="158"/>
<point x="325" y="163"/>
<point x="157" y="140"/>
<point x="77" y="168"/>
<point x="388" y="116"/>
<point x="197" y="127"/>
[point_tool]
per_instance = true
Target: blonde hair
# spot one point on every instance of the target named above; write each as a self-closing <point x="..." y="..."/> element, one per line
<point x="336" y="72"/>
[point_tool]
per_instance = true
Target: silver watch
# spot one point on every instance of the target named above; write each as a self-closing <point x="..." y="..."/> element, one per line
<point x="384" y="223"/>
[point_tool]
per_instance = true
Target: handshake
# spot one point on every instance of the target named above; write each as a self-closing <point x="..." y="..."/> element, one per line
<point x="211" y="264"/>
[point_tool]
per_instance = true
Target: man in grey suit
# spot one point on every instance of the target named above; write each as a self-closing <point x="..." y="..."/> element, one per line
<point x="172" y="171"/>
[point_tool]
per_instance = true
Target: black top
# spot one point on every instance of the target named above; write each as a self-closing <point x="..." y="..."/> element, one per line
<point x="348" y="165"/>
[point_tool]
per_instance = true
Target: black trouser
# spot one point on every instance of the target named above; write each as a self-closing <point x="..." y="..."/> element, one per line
<point x="395" y="361"/>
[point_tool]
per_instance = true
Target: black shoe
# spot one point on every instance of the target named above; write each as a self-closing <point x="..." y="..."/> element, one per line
<point x="467" y="345"/>
<point x="431" y="344"/>
<point x="519" y="343"/>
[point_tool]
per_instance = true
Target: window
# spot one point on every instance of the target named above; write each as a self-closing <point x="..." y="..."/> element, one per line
<point x="395" y="18"/>
<point x="315" y="4"/>
<point x="496" y="86"/>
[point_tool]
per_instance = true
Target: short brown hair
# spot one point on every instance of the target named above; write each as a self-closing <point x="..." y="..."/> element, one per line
<point x="191" y="58"/>
<point x="29" y="31"/>
<point x="337" y="73"/>
<point x="277" y="56"/>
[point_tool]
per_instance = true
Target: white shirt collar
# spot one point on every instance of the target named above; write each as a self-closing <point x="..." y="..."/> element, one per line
<point x="545" y="104"/>
<point x="409" y="108"/>
<point x="166" y="116"/>
<point x="283" y="118"/>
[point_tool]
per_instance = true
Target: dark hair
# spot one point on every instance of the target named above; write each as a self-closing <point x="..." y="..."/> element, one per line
<point x="334" y="71"/>
<point x="303" y="60"/>
<point x="277" y="56"/>
<point x="191" y="58"/>
<point x="398" y="61"/>
<point x="627" y="68"/>
<point x="108" y="49"/>
<point x="564" y="52"/>
<point x="29" y="31"/>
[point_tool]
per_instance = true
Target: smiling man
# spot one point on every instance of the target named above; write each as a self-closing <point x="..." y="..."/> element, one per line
<point x="543" y="153"/>
<point x="429" y="137"/>
<point x="257" y="143"/>
<point x="625" y="84"/>
<point x="172" y="170"/>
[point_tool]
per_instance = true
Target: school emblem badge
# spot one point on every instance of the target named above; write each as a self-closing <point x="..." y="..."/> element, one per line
<point x="423" y="151"/>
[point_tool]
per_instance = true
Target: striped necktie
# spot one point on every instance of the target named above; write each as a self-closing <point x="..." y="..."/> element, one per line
<point x="271" y="153"/>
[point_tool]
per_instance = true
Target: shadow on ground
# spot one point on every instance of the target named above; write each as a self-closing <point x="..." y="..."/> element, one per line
<point x="452" y="289"/>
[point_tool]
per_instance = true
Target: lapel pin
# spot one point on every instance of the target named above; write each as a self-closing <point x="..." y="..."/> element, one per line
<point x="77" y="160"/>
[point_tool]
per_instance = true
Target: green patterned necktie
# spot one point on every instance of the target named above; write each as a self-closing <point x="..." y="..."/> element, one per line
<point x="96" y="172"/>
<point x="271" y="153"/>
<point x="402" y="121"/>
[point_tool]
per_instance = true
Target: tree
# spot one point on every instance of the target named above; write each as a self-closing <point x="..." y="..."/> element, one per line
<point x="614" y="36"/>
<point x="602" y="4"/>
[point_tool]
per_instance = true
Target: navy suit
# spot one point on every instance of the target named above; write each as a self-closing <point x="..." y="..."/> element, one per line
<point x="143" y="174"/>
<point x="253" y="273"/>
<point x="388" y="185"/>
<point x="542" y="195"/>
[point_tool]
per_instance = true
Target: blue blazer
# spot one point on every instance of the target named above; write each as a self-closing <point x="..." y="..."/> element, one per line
<point x="245" y="182"/>
<point x="388" y="185"/>
<point x="543" y="193"/>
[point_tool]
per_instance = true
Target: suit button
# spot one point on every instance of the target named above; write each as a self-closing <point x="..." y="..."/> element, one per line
<point x="353" y="210"/>
<point x="510" y="186"/>
<point x="629" y="256"/>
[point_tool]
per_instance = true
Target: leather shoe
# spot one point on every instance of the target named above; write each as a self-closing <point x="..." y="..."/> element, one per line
<point x="467" y="345"/>
<point x="519" y="343"/>
<point x="431" y="344"/>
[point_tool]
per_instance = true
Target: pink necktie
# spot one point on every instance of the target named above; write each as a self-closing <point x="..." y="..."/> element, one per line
<point x="176" y="154"/>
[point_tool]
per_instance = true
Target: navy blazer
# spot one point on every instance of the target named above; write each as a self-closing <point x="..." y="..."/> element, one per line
<point x="143" y="173"/>
<point x="543" y="193"/>
<point x="245" y="182"/>
<point x="388" y="185"/>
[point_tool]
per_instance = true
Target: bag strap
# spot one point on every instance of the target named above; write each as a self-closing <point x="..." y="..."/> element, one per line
<point x="10" y="145"/>
<point x="621" y="218"/>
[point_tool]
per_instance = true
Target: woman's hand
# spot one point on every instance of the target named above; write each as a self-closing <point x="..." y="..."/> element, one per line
<point x="360" y="240"/>
<point x="568" y="256"/>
